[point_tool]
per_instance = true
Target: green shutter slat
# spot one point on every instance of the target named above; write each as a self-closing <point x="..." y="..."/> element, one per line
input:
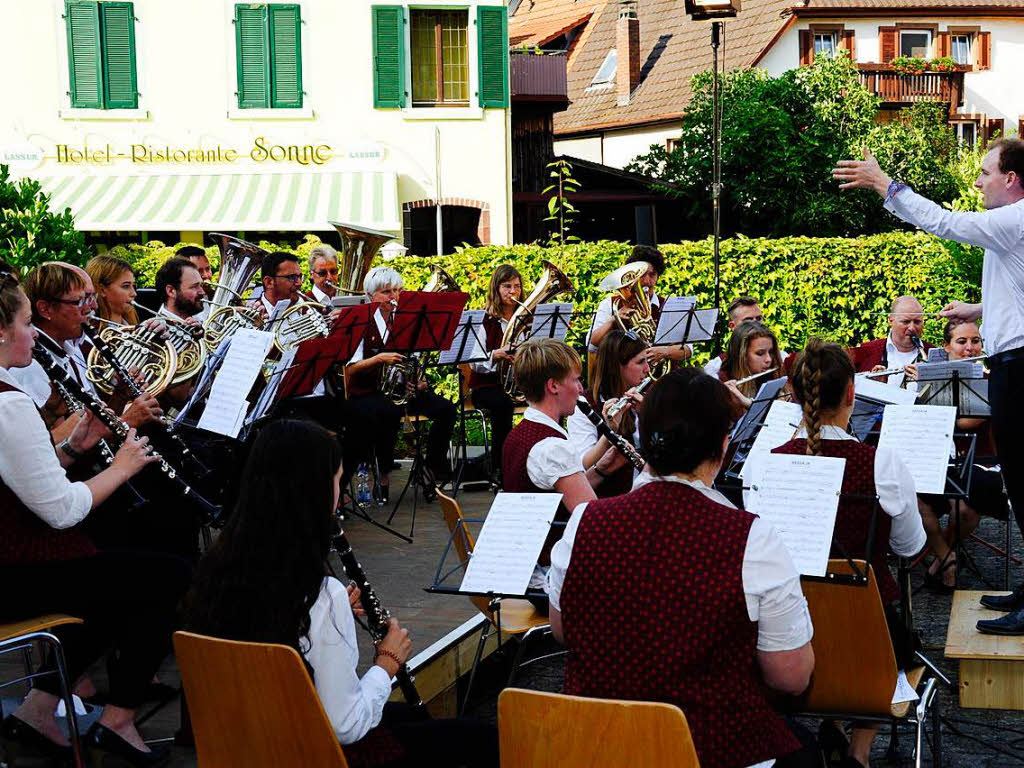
<point x="388" y="56"/>
<point x="84" y="58"/>
<point x="492" y="49"/>
<point x="119" y="77"/>
<point x="286" y="56"/>
<point x="252" y="53"/>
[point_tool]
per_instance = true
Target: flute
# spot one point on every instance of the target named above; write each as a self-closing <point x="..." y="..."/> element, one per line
<point x="377" y="616"/>
<point x="755" y="376"/>
<point x="621" y="444"/>
<point x="624" y="401"/>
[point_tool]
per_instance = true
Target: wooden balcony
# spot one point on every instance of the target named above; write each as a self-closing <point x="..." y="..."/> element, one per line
<point x="538" y="77"/>
<point x="900" y="89"/>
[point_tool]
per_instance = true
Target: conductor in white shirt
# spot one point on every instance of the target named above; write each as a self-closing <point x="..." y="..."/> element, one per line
<point x="1000" y="231"/>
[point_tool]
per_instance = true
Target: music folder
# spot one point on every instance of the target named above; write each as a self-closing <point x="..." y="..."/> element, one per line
<point x="314" y="357"/>
<point x="424" y="322"/>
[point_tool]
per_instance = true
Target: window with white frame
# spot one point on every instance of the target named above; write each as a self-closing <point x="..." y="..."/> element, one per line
<point x="960" y="46"/>
<point x="916" y="43"/>
<point x="606" y="72"/>
<point x="825" y="44"/>
<point x="966" y="133"/>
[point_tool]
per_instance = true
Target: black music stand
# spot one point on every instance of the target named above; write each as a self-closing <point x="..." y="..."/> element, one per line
<point x="742" y="439"/>
<point x="422" y="322"/>
<point x="686" y="325"/>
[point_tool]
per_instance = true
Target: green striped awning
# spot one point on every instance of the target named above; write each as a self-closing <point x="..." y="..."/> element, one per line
<point x="229" y="201"/>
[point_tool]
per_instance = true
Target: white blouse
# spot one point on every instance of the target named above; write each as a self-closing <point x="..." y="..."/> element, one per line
<point x="353" y="704"/>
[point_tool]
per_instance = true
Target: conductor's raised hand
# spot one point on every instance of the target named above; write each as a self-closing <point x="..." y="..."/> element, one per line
<point x="961" y="311"/>
<point x="862" y="174"/>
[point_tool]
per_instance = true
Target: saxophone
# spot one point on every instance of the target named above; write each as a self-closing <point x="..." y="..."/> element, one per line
<point x="551" y="283"/>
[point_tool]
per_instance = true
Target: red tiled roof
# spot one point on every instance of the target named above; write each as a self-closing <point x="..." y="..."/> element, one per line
<point x="538" y="31"/>
<point x="938" y="5"/>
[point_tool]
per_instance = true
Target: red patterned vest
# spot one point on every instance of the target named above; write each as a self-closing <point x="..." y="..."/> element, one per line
<point x="682" y="635"/>
<point x="515" y="478"/>
<point x="367" y="382"/>
<point x="492" y="329"/>
<point x="26" y="538"/>
<point x="856" y="505"/>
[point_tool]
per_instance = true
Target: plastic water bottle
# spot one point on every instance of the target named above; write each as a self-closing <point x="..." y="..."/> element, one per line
<point x="363" y="495"/>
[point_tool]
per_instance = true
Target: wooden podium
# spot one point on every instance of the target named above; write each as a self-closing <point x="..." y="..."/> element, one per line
<point x="991" y="666"/>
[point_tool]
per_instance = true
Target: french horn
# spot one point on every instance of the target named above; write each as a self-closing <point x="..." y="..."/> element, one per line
<point x="136" y="347"/>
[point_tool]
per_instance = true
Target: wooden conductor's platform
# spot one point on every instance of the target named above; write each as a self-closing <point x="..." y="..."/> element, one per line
<point x="991" y="666"/>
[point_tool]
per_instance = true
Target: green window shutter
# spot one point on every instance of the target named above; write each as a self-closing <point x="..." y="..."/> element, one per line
<point x="85" y="62"/>
<point x="119" y="76"/>
<point x="388" y="56"/>
<point x="252" y="55"/>
<point x="285" y="56"/>
<point x="492" y="48"/>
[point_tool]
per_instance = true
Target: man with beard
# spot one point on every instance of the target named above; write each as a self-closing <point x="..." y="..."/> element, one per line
<point x="180" y="288"/>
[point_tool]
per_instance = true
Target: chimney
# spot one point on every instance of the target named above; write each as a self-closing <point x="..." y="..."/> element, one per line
<point x="627" y="44"/>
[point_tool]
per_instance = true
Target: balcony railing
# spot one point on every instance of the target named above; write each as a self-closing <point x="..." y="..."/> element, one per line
<point x="895" y="88"/>
<point x="538" y="77"/>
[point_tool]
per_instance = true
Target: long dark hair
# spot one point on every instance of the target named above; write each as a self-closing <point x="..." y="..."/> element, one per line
<point x="264" y="572"/>
<point x="821" y="374"/>
<point x="617" y="348"/>
<point x="735" y="365"/>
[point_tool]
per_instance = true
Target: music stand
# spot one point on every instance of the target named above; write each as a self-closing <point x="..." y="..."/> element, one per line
<point x="745" y="433"/>
<point x="681" y="322"/>
<point x="314" y="357"/>
<point x="422" y="322"/>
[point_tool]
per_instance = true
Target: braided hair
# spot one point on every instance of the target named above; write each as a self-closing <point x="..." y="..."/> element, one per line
<point x="821" y="374"/>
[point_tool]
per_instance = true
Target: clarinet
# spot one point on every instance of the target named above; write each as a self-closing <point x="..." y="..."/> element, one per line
<point x="624" y="447"/>
<point x="118" y="428"/>
<point x="377" y="616"/>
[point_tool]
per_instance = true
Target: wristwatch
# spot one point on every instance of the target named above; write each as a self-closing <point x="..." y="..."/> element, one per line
<point x="65" y="445"/>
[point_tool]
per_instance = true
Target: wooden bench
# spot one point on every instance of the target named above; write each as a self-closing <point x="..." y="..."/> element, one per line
<point x="991" y="666"/>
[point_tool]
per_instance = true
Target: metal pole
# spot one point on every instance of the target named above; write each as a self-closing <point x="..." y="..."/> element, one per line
<point x="716" y="166"/>
<point x="437" y="189"/>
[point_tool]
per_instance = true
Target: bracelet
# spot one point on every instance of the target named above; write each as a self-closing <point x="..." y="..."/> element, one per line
<point x="65" y="445"/>
<point x="390" y="654"/>
<point x="600" y="474"/>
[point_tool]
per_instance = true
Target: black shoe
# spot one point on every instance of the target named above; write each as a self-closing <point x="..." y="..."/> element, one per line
<point x="1010" y="624"/>
<point x="102" y="741"/>
<point x="21" y="739"/>
<point x="833" y="742"/>
<point x="1011" y="602"/>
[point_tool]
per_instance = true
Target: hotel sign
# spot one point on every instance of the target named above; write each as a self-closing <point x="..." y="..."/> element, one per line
<point x="261" y="151"/>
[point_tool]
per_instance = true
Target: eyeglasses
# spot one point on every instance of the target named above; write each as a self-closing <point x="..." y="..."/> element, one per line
<point x="81" y="303"/>
<point x="326" y="272"/>
<point x="290" y="278"/>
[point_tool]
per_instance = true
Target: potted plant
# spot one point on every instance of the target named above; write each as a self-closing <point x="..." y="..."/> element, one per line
<point x="909" y="65"/>
<point x="942" y="64"/>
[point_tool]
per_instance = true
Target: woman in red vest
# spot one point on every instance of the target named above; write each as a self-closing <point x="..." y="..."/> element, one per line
<point x="621" y="365"/>
<point x="823" y="383"/>
<point x="126" y="599"/>
<point x="714" y="609"/>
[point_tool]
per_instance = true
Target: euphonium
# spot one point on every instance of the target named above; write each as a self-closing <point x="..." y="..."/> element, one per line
<point x="628" y="293"/>
<point x="239" y="263"/>
<point x="393" y="377"/>
<point x="551" y="283"/>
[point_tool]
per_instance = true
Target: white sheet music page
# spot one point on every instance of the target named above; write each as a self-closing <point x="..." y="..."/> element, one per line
<point x="672" y="321"/>
<point x="799" y="496"/>
<point x="473" y="347"/>
<point x="881" y="392"/>
<point x="543" y="320"/>
<point x="510" y="542"/>
<point x="234" y="380"/>
<point x="779" y="426"/>
<point x="921" y="435"/>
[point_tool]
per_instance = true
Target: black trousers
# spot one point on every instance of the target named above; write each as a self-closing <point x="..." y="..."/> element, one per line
<point x="500" y="410"/>
<point x="1006" y="397"/>
<point x="443" y="415"/>
<point x="128" y="601"/>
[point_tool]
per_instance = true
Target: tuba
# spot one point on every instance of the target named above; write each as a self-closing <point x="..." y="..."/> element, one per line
<point x="359" y="246"/>
<point x="551" y="283"/>
<point x="239" y="263"/>
<point x="627" y="293"/>
<point x="393" y="377"/>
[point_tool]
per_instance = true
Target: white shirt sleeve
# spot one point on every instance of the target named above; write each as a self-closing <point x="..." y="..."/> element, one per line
<point x="353" y="705"/>
<point x="771" y="585"/>
<point x="561" y="553"/>
<point x="357" y="356"/>
<point x="601" y="316"/>
<point x="550" y="460"/>
<point x="998" y="229"/>
<point x="33" y="381"/>
<point x="582" y="433"/>
<point x="713" y="366"/>
<point x="30" y="467"/>
<point x="898" y="499"/>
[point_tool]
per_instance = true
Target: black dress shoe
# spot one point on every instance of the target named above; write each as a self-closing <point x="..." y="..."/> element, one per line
<point x="1010" y="624"/>
<point x="102" y="741"/>
<point x="1011" y="602"/>
<point x="22" y="740"/>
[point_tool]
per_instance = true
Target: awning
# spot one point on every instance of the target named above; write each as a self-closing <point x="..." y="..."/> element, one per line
<point x="227" y="201"/>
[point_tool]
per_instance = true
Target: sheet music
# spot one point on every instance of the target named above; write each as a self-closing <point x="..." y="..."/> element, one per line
<point x="881" y="392"/>
<point x="510" y="542"/>
<point x="475" y="349"/>
<point x="799" y="496"/>
<point x="937" y="355"/>
<point x="267" y="395"/>
<point x="237" y="374"/>
<point x="779" y="426"/>
<point x="904" y="690"/>
<point x="922" y="435"/>
<point x="758" y="410"/>
<point x="944" y="370"/>
<point x="543" y="320"/>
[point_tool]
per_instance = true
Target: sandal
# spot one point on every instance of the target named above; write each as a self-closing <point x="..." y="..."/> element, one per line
<point x="934" y="582"/>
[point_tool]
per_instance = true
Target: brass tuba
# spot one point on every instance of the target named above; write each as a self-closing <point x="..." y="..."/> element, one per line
<point x="393" y="377"/>
<point x="239" y="263"/>
<point x="551" y="283"/>
<point x="627" y="293"/>
<point x="359" y="246"/>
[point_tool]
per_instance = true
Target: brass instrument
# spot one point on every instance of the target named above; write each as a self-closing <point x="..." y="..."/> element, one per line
<point x="627" y="293"/>
<point x="393" y="378"/>
<point x="138" y="347"/>
<point x="302" y="321"/>
<point x="551" y="283"/>
<point x="187" y="341"/>
<point x="359" y="246"/>
<point x="239" y="263"/>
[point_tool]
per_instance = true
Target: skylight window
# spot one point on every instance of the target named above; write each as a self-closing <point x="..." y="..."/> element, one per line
<point x="606" y="72"/>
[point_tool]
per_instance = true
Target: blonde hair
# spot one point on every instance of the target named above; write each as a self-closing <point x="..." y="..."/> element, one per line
<point x="735" y="365"/>
<point x="49" y="282"/>
<point x="105" y="271"/>
<point x="502" y="274"/>
<point x="539" y="360"/>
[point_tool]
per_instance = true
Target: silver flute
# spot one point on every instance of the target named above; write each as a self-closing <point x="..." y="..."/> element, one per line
<point x="625" y="400"/>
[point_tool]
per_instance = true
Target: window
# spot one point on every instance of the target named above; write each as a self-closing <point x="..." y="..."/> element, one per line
<point x="916" y="43"/>
<point x="440" y="57"/>
<point x="101" y="55"/>
<point x="960" y="48"/>
<point x="606" y="72"/>
<point x="671" y="145"/>
<point x="966" y="133"/>
<point x="825" y="44"/>
<point x="268" y="52"/>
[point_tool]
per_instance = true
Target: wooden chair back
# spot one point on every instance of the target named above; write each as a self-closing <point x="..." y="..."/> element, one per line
<point x="534" y="727"/>
<point x="854" y="662"/>
<point x="463" y="543"/>
<point x="253" y="705"/>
